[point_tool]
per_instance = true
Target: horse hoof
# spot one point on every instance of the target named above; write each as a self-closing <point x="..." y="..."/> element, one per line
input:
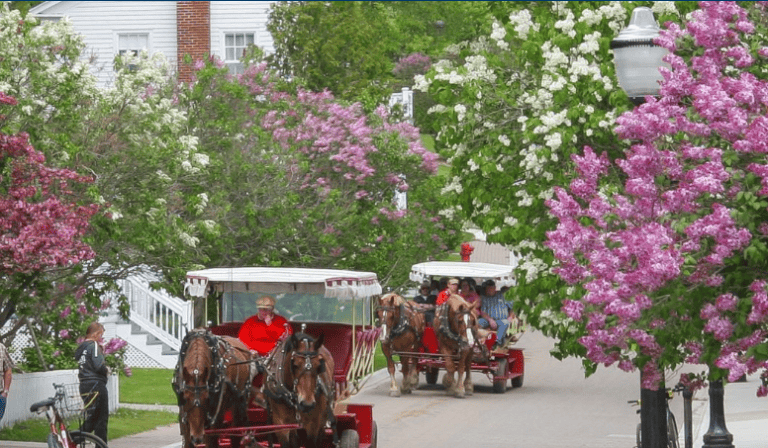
<point x="459" y="394"/>
<point x="394" y="393"/>
<point x="407" y="391"/>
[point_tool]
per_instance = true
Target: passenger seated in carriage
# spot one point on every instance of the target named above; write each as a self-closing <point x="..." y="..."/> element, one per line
<point x="467" y="290"/>
<point x="261" y="331"/>
<point x="495" y="312"/>
<point x="426" y="302"/>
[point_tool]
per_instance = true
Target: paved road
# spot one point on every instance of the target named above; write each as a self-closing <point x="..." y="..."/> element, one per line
<point x="556" y="407"/>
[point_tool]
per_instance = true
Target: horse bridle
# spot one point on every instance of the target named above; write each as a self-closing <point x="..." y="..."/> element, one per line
<point x="216" y="377"/>
<point x="403" y="324"/>
<point x="275" y="387"/>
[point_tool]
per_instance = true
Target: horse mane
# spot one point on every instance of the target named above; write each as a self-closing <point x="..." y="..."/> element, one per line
<point x="396" y="299"/>
<point x="456" y="301"/>
<point x="198" y="348"/>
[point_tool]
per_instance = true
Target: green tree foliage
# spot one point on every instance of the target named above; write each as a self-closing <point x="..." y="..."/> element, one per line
<point x="350" y="48"/>
<point x="199" y="175"/>
<point x="512" y="108"/>
<point x="300" y="179"/>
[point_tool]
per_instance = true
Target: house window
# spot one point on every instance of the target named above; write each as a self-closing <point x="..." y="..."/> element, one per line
<point x="234" y="48"/>
<point x="132" y="44"/>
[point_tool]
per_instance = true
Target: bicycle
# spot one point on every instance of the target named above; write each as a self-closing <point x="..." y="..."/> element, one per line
<point x="67" y="400"/>
<point x="672" y="434"/>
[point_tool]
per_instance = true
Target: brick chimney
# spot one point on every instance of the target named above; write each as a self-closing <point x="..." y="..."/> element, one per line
<point x="193" y="35"/>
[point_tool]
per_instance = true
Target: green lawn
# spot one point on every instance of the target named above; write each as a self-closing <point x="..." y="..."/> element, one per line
<point x="147" y="386"/>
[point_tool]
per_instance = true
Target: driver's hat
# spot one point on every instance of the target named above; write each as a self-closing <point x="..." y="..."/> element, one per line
<point x="265" y="302"/>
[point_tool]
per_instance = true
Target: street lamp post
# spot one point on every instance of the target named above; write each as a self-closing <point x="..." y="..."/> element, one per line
<point x="637" y="61"/>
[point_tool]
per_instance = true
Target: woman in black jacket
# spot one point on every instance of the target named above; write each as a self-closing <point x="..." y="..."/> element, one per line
<point x="93" y="372"/>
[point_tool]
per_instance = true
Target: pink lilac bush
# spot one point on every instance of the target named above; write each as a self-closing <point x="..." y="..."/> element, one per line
<point x="41" y="225"/>
<point x="668" y="242"/>
<point x="411" y="65"/>
<point x="341" y="140"/>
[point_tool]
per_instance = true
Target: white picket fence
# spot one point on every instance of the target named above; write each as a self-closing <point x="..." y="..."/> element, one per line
<point x="29" y="388"/>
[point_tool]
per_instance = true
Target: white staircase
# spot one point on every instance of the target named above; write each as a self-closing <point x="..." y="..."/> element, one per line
<point x="157" y="323"/>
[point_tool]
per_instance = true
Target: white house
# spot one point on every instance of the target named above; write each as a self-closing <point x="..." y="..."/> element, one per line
<point x="197" y="28"/>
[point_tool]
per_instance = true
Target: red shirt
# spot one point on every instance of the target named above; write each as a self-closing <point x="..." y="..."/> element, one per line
<point x="443" y="296"/>
<point x="257" y="335"/>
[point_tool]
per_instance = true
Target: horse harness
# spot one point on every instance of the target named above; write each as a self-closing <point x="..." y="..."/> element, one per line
<point x="403" y="324"/>
<point x="274" y="384"/>
<point x="217" y="382"/>
<point x="445" y="325"/>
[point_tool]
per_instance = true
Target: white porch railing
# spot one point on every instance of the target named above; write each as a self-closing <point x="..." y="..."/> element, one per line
<point x="162" y="315"/>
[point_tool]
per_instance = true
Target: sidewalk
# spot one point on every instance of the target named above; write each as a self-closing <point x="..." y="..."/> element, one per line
<point x="746" y="416"/>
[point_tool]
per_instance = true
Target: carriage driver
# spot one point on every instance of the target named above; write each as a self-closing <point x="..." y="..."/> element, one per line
<point x="262" y="330"/>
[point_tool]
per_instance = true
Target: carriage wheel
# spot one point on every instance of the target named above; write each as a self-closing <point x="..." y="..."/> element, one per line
<point x="432" y="374"/>
<point x="374" y="436"/>
<point x="500" y="387"/>
<point x="349" y="439"/>
<point x="517" y="382"/>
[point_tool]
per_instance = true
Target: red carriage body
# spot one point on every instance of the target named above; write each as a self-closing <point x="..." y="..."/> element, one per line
<point x="500" y="367"/>
<point x="334" y="303"/>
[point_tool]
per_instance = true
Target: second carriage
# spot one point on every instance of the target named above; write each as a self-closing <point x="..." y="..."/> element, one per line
<point x="502" y="366"/>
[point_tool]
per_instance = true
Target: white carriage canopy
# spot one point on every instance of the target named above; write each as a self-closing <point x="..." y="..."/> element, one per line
<point x="301" y="293"/>
<point x="502" y="274"/>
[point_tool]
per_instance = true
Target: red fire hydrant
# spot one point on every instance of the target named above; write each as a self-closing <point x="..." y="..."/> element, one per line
<point x="466" y="251"/>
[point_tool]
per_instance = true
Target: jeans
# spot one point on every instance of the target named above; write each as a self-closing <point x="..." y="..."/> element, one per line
<point x="2" y="407"/>
<point x="501" y="327"/>
<point x="97" y="414"/>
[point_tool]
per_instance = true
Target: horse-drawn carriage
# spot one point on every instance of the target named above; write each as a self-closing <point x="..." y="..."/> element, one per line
<point x="305" y="378"/>
<point x="427" y="354"/>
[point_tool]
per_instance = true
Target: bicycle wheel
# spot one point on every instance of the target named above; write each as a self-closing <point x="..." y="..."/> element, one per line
<point x="672" y="437"/>
<point x="87" y="440"/>
<point x="53" y="441"/>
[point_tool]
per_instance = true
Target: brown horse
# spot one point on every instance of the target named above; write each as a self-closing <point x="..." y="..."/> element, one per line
<point x="456" y="330"/>
<point x="402" y="327"/>
<point x="213" y="377"/>
<point x="299" y="389"/>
